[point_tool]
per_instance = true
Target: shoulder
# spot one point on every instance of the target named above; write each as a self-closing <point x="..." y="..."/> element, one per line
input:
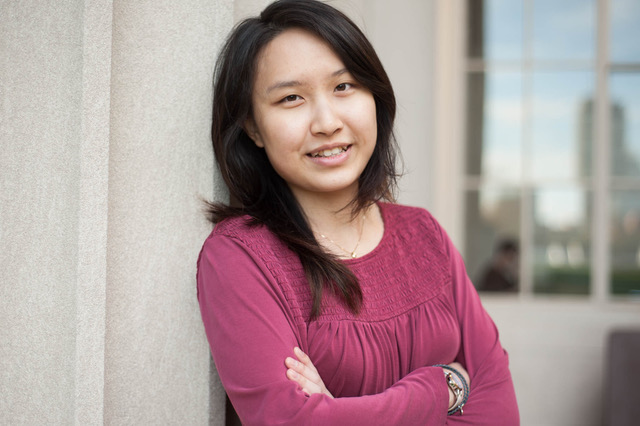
<point x="243" y="257"/>
<point x="412" y="221"/>
<point x="239" y="245"/>
<point x="401" y="212"/>
<point x="241" y="239"/>
<point x="238" y="227"/>
<point x="246" y="239"/>
<point x="244" y="231"/>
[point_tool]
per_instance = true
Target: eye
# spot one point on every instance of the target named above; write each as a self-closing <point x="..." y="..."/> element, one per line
<point x="343" y="87"/>
<point x="290" y="98"/>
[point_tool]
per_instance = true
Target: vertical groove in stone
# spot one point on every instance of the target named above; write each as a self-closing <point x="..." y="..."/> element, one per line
<point x="92" y="213"/>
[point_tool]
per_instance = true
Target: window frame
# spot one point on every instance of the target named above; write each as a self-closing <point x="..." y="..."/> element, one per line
<point x="452" y="67"/>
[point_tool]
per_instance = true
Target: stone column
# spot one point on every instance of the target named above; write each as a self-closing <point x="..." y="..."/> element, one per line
<point x="105" y="156"/>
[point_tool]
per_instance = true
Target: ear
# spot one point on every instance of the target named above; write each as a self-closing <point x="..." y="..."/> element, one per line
<point x="252" y="130"/>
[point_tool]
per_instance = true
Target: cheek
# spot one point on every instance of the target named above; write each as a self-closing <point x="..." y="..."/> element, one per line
<point x="284" y="166"/>
<point x="367" y="120"/>
<point x="282" y="132"/>
<point x="283" y="143"/>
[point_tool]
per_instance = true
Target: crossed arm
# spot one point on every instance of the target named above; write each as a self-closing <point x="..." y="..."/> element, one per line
<point x="304" y="373"/>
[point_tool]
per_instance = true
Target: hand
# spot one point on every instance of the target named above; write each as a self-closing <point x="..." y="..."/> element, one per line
<point x="304" y="373"/>
<point x="465" y="374"/>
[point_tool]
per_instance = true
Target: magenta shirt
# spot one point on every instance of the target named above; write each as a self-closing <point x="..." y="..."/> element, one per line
<point x="420" y="309"/>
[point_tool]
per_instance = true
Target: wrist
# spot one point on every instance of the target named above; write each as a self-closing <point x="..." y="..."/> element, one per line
<point x="452" y="398"/>
<point x="458" y="389"/>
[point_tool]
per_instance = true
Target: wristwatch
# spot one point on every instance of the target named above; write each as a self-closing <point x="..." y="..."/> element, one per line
<point x="458" y="392"/>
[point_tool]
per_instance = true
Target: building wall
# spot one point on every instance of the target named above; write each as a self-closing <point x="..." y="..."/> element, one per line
<point x="558" y="355"/>
<point x="105" y="118"/>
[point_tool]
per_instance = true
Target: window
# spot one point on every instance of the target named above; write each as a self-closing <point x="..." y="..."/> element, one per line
<point x="551" y="176"/>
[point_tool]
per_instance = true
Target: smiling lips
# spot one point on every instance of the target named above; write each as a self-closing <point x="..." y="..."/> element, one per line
<point x="329" y="152"/>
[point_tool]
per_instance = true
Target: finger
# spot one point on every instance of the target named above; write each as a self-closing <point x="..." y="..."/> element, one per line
<point x="306" y="377"/>
<point x="297" y="378"/>
<point x="310" y="374"/>
<point x="306" y="386"/>
<point x="304" y="358"/>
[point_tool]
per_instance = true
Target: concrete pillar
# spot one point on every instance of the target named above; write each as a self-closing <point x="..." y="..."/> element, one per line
<point x="105" y="155"/>
<point x="40" y="134"/>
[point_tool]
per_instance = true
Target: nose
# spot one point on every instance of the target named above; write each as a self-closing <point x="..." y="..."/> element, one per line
<point x="326" y="119"/>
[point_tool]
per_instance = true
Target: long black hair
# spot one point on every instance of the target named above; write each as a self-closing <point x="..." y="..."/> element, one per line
<point x="254" y="186"/>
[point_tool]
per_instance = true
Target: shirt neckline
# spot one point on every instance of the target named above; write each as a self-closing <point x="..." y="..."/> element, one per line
<point x="381" y="244"/>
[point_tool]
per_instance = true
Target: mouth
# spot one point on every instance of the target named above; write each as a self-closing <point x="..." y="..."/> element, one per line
<point x="325" y="153"/>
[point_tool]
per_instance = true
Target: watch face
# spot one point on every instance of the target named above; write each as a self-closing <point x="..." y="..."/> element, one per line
<point x="457" y="390"/>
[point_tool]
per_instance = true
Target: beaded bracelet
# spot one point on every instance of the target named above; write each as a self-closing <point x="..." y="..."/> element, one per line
<point x="460" y="402"/>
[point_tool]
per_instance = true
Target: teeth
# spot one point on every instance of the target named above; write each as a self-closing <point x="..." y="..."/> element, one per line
<point x="330" y="152"/>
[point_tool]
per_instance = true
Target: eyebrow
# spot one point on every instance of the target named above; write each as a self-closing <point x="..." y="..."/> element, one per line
<point x="295" y="83"/>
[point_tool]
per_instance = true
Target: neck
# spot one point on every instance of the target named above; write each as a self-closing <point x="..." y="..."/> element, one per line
<point x="336" y="227"/>
<point x="328" y="210"/>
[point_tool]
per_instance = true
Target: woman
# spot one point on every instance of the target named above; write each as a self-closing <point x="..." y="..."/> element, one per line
<point x="322" y="303"/>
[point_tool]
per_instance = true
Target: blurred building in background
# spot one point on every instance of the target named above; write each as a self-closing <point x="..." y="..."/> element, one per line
<point x="552" y="141"/>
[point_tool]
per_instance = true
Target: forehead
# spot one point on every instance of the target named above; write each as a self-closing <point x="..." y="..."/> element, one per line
<point x="298" y="55"/>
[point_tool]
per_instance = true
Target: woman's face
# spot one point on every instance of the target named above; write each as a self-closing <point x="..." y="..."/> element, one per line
<point x="316" y="123"/>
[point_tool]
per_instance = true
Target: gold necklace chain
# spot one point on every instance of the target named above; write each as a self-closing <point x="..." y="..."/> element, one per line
<point x="353" y="253"/>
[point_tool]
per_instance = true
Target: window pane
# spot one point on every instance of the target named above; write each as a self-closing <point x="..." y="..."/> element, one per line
<point x="625" y="31"/>
<point x="625" y="242"/>
<point x="561" y="241"/>
<point x="493" y="229"/>
<point x="494" y="131"/>
<point x="625" y="124"/>
<point x="495" y="29"/>
<point x="562" y="125"/>
<point x="564" y="30"/>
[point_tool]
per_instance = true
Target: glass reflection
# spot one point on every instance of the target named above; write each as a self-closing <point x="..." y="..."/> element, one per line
<point x="495" y="29"/>
<point x="561" y="240"/>
<point x="492" y="235"/>
<point x="494" y="132"/>
<point x="625" y="31"/>
<point x="562" y="125"/>
<point x="564" y="30"/>
<point x="625" y="242"/>
<point x="625" y="124"/>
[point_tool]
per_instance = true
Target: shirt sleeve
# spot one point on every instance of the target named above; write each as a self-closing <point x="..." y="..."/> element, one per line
<point x="251" y="331"/>
<point x="492" y="399"/>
